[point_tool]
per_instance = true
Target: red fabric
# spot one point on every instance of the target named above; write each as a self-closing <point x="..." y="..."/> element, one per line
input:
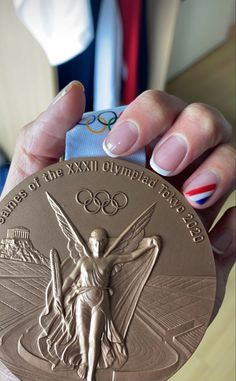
<point x="131" y="19"/>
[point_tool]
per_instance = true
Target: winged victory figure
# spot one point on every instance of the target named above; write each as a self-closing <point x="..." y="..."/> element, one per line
<point x="91" y="300"/>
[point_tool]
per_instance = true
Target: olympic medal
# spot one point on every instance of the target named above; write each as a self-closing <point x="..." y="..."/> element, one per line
<point x="106" y="274"/>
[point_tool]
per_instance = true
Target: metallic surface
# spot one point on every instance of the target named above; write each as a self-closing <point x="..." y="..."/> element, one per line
<point x="101" y="296"/>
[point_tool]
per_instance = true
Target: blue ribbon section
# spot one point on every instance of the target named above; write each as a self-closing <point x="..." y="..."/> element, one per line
<point x="3" y="175"/>
<point x="86" y="138"/>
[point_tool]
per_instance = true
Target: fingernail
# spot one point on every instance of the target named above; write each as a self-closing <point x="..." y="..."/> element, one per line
<point x="121" y="139"/>
<point x="66" y="90"/>
<point x="168" y="156"/>
<point x="222" y="242"/>
<point x="201" y="188"/>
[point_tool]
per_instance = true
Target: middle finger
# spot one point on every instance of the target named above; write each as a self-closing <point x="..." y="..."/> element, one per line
<point x="197" y="129"/>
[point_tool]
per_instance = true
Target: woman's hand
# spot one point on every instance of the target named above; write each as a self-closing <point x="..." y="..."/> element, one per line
<point x="42" y="142"/>
<point x="189" y="144"/>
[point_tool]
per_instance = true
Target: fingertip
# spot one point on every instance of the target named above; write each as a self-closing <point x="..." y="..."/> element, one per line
<point x="122" y="139"/>
<point x="73" y="86"/>
<point x="69" y="104"/>
<point x="157" y="169"/>
<point x="107" y="151"/>
<point x="168" y="155"/>
<point x="201" y="189"/>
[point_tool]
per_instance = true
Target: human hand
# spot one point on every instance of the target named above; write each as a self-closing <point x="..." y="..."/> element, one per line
<point x="200" y="154"/>
<point x="42" y="142"/>
<point x="190" y="145"/>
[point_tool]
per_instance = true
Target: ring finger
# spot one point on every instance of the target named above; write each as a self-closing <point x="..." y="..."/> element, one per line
<point x="214" y="178"/>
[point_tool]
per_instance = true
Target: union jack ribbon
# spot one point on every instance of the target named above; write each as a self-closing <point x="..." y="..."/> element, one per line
<point x="202" y="194"/>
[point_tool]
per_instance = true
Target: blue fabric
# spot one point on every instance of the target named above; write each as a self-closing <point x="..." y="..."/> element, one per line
<point x="108" y="57"/>
<point x="86" y="138"/>
<point x="3" y="175"/>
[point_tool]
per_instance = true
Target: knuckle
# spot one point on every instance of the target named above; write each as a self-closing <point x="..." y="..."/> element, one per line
<point x="203" y="117"/>
<point x="155" y="102"/>
<point x="153" y="95"/>
<point x="229" y="152"/>
<point x="210" y="121"/>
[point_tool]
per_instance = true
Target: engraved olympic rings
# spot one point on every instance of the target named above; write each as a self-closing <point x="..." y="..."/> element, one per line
<point x="101" y="201"/>
<point x="105" y="118"/>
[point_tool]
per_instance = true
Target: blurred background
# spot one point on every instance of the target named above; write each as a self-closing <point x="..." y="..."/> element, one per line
<point x="119" y="48"/>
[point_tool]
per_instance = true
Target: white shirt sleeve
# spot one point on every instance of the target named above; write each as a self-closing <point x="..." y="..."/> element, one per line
<point x="64" y="28"/>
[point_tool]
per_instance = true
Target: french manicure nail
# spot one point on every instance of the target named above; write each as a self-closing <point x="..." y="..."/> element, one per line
<point x="66" y="90"/>
<point x="222" y="242"/>
<point x="168" y="156"/>
<point x="121" y="139"/>
<point x="200" y="189"/>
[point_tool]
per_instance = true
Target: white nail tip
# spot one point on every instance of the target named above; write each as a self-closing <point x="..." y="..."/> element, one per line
<point x="109" y="153"/>
<point x="158" y="169"/>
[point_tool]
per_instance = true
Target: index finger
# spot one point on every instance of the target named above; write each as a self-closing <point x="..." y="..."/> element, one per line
<point x="42" y="142"/>
<point x="149" y="116"/>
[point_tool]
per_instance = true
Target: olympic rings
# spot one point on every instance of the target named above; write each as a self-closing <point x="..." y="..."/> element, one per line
<point x="110" y="122"/>
<point x="101" y="201"/>
<point x="104" y="118"/>
<point x="96" y="131"/>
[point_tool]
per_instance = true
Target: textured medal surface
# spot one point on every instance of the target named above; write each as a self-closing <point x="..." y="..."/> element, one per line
<point x="106" y="274"/>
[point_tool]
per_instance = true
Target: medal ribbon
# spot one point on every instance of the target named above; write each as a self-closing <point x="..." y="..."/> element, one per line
<point x="86" y="138"/>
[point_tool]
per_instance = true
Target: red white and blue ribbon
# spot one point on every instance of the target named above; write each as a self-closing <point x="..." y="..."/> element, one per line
<point x="201" y="194"/>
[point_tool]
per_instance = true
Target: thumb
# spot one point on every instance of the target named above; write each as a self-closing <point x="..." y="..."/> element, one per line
<point x="42" y="142"/>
